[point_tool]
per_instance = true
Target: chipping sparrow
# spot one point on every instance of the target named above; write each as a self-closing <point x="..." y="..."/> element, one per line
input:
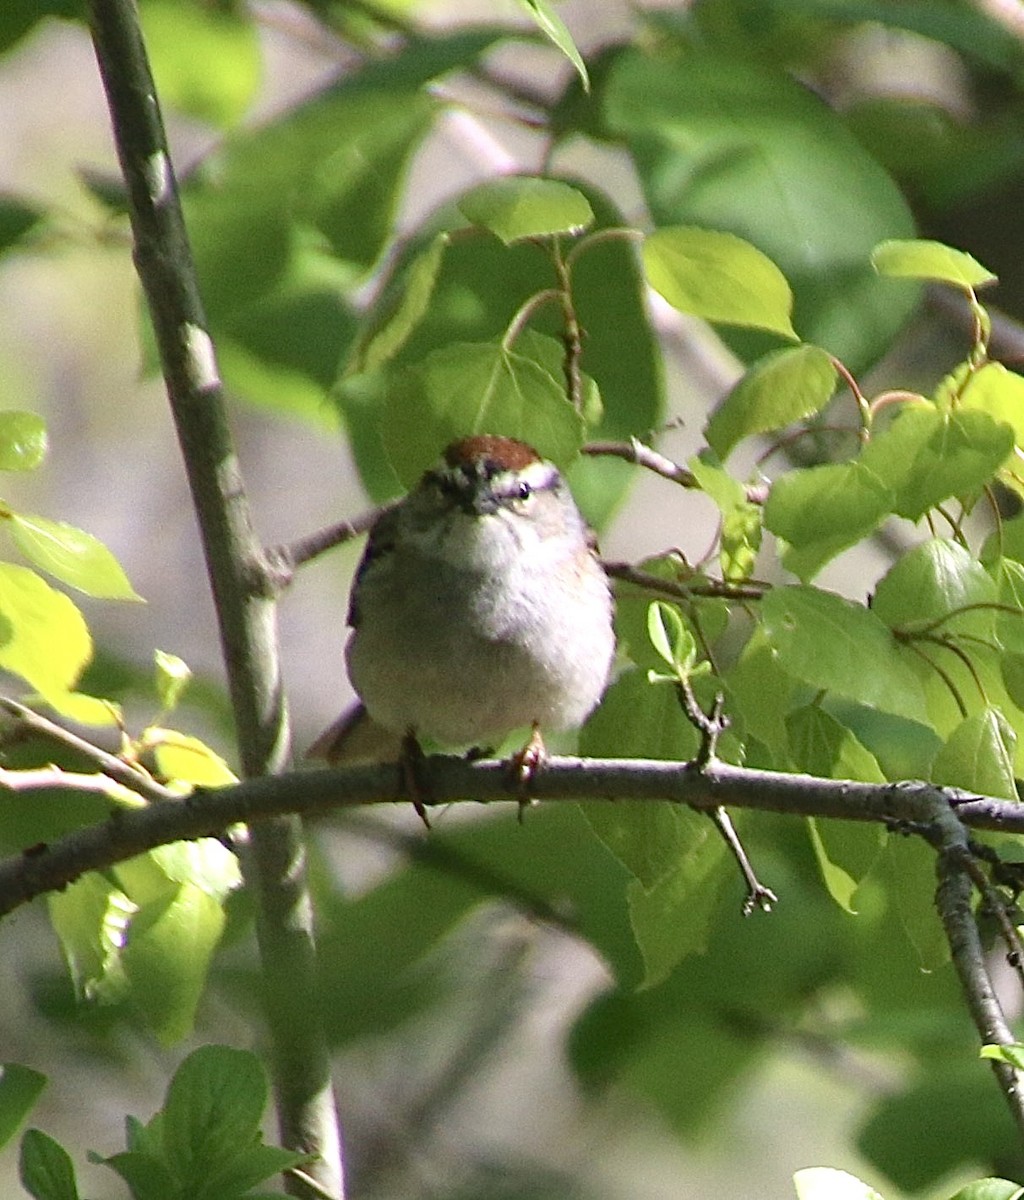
<point x="479" y="606"/>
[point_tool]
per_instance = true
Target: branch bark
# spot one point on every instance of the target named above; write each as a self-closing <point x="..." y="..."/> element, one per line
<point x="241" y="581"/>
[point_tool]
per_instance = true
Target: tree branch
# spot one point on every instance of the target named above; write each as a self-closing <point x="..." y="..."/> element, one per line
<point x="242" y="583"/>
<point x="446" y="780"/>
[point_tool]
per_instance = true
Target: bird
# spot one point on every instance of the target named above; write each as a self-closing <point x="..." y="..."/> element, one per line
<point x="480" y="607"/>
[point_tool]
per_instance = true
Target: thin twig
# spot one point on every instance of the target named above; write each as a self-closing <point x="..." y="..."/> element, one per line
<point x="708" y="588"/>
<point x="126" y="774"/>
<point x="642" y="455"/>
<point x="286" y="559"/>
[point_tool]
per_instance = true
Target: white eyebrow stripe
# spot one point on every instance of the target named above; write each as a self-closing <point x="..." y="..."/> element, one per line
<point x="540" y="475"/>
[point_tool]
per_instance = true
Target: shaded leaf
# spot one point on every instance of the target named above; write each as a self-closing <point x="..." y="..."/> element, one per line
<point x="477" y="388"/>
<point x="719" y="277"/>
<point x="172" y="678"/>
<point x="45" y="1168"/>
<point x="839" y="646"/>
<point x="523" y="206"/>
<point x="933" y="580"/>
<point x="784" y="386"/>
<point x="20" y="1088"/>
<point x="170" y="944"/>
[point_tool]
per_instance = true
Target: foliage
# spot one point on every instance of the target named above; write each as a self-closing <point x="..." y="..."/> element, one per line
<point x="521" y="306"/>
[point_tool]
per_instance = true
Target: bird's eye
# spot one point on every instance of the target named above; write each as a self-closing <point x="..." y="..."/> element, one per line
<point x="524" y="491"/>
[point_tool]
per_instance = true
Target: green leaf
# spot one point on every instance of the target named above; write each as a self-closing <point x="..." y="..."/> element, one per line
<point x="72" y="556"/>
<point x="214" y="1105"/>
<point x="1008" y="574"/>
<point x="908" y="867"/>
<point x="1000" y="393"/>
<point x="1012" y="1055"/>
<point x="979" y="756"/>
<point x="821" y="511"/>
<point x="400" y="310"/>
<point x="918" y="258"/>
<point x="146" y="1174"/>
<point x="719" y="277"/>
<point x="170" y="944"/>
<point x="172" y="678"/>
<point x="477" y="388"/>
<point x="91" y="919"/>
<point x="17" y="217"/>
<point x="206" y="60"/>
<point x="926" y="456"/>
<point x="22" y="440"/>
<point x="821" y="746"/>
<point x="826" y="1183"/>
<point x="842" y="647"/>
<point x="934" y="580"/>
<point x="84" y="709"/>
<point x="182" y="758"/>
<point x="991" y="1188"/>
<point x="784" y="386"/>
<point x="43" y="636"/>
<point x="45" y="1168"/>
<point x="669" y="636"/>
<point x="672" y="919"/>
<point x="20" y="1088"/>
<point x="723" y="142"/>
<point x="206" y="862"/>
<point x="523" y="206"/>
<point x="553" y="28"/>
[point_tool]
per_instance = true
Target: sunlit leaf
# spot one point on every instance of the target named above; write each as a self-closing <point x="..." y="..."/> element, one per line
<point x="719" y="277"/>
<point x="521" y="206"/>
<point x="91" y="919"/>
<point x="185" y="759"/>
<point x="72" y="556"/>
<point x="923" y="259"/>
<point x="173" y="675"/>
<point x="43" y="636"/>
<point x="826" y="1183"/>
<point x="22" y="440"/>
<point x="821" y="511"/>
<point x="979" y="756"/>
<point x="937" y="586"/>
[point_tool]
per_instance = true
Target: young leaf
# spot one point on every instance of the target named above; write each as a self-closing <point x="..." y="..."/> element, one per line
<point x="84" y="709"/>
<point x="784" y="386"/>
<point x="719" y="277"/>
<point x="1012" y="1055"/>
<point x="183" y="758"/>
<point x="479" y="387"/>
<point x="553" y="28"/>
<point x="826" y="1183"/>
<point x="72" y="556"/>
<point x="45" y="1168"/>
<point x="979" y="755"/>
<point x="1000" y="393"/>
<point x="842" y="647"/>
<point x="669" y="637"/>
<point x="172" y="678"/>
<point x="918" y="258"/>
<point x="523" y="206"/>
<point x="20" y="1088"/>
<point x="22" y="440"/>
<point x="821" y="511"/>
<point x="43" y="636"/>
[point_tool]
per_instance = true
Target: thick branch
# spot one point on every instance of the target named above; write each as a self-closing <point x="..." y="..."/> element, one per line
<point x="240" y="578"/>
<point x="445" y="780"/>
